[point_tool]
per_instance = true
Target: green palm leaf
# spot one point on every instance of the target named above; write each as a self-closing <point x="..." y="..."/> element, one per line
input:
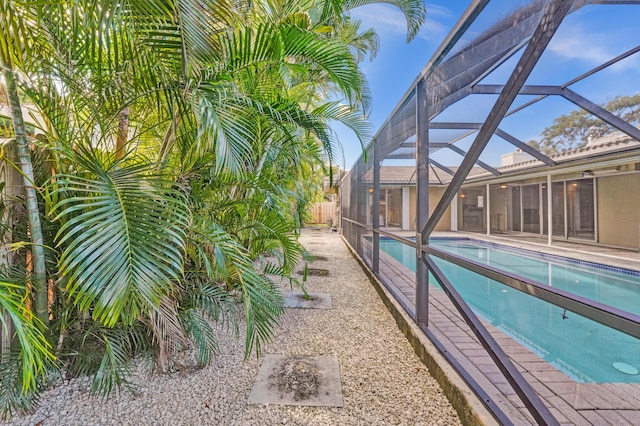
<point x="104" y="354"/>
<point x="333" y="56"/>
<point x="24" y="366"/>
<point x="123" y="239"/>
<point x="351" y="118"/>
<point x="205" y="302"/>
<point x="34" y="350"/>
<point x="414" y="11"/>
<point x="227" y="259"/>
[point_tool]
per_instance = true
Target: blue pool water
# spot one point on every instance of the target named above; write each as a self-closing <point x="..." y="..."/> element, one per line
<point x="583" y="349"/>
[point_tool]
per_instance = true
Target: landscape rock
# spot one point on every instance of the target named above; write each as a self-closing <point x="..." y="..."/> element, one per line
<point x="383" y="381"/>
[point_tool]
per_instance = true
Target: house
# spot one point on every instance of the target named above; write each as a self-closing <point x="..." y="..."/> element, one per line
<point x="594" y="195"/>
<point x="398" y="196"/>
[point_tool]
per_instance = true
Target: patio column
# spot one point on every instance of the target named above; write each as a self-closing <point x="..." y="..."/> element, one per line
<point x="376" y="209"/>
<point x="406" y="205"/>
<point x="487" y="205"/>
<point x="549" y="212"/>
<point x="541" y="211"/>
<point x="454" y="214"/>
<point x="357" y="195"/>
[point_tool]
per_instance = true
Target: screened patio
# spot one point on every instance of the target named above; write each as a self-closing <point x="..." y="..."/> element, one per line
<point x="464" y="136"/>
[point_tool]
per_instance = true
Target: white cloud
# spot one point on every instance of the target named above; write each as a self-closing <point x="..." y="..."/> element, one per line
<point x="575" y="43"/>
<point x="433" y="30"/>
<point x="384" y="19"/>
<point x="436" y="10"/>
<point x="389" y="21"/>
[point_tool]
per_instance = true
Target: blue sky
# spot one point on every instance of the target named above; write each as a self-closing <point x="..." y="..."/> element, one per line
<point x="398" y="63"/>
<point x="583" y="41"/>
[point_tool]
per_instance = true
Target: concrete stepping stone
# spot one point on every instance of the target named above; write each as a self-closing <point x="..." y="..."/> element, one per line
<point x="298" y="380"/>
<point x="296" y="299"/>
<point x="315" y="272"/>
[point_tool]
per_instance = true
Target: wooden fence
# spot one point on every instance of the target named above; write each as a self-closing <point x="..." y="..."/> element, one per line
<point x="322" y="212"/>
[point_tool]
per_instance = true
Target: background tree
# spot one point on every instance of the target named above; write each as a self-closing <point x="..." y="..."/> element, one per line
<point x="574" y="130"/>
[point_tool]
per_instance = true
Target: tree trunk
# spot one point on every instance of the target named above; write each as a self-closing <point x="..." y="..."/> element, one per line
<point x="169" y="140"/>
<point x="123" y="132"/>
<point x="39" y="276"/>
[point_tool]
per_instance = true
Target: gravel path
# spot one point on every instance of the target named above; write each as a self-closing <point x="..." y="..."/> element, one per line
<point x="383" y="382"/>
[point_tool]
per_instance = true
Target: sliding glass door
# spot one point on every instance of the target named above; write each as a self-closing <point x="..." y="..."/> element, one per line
<point x="531" y="208"/>
<point x="581" y="209"/>
<point x="525" y="208"/>
<point x="557" y="209"/>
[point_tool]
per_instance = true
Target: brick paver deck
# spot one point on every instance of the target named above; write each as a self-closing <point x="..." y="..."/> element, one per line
<point x="569" y="401"/>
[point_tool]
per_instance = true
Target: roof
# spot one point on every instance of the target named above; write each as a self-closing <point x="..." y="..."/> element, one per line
<point x="406" y="175"/>
<point x="615" y="142"/>
<point x="612" y="143"/>
<point x="399" y="174"/>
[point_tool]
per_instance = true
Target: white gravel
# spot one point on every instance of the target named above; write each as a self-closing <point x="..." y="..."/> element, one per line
<point x="383" y="381"/>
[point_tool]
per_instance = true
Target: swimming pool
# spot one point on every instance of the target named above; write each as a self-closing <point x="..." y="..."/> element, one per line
<point x="583" y="349"/>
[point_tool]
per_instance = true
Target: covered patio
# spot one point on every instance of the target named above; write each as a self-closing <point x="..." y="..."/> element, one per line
<point x="493" y="83"/>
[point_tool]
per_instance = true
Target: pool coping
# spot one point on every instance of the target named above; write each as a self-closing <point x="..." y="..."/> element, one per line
<point x="538" y="254"/>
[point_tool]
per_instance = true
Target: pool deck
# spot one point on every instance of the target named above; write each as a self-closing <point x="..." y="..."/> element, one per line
<point x="570" y="402"/>
<point x="622" y="258"/>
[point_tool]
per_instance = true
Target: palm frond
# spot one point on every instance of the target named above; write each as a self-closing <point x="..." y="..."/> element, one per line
<point x="115" y="361"/>
<point x="272" y="236"/>
<point x="34" y="351"/>
<point x="212" y="300"/>
<point x="333" y="56"/>
<point x="263" y="305"/>
<point x="197" y="326"/>
<point x="13" y="398"/>
<point x="263" y="302"/>
<point x="89" y="349"/>
<point x="123" y="238"/>
<point x="168" y="333"/>
<point x="413" y="10"/>
<point x="351" y="118"/>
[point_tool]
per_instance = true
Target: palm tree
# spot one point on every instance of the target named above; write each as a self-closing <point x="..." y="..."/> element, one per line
<point x="232" y="102"/>
<point x="13" y="42"/>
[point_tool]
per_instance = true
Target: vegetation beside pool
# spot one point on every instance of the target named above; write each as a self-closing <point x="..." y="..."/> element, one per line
<point x="170" y="153"/>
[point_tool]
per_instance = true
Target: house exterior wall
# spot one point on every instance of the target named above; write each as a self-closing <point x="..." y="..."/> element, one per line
<point x="617" y="201"/>
<point x="435" y="194"/>
<point x="619" y="210"/>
